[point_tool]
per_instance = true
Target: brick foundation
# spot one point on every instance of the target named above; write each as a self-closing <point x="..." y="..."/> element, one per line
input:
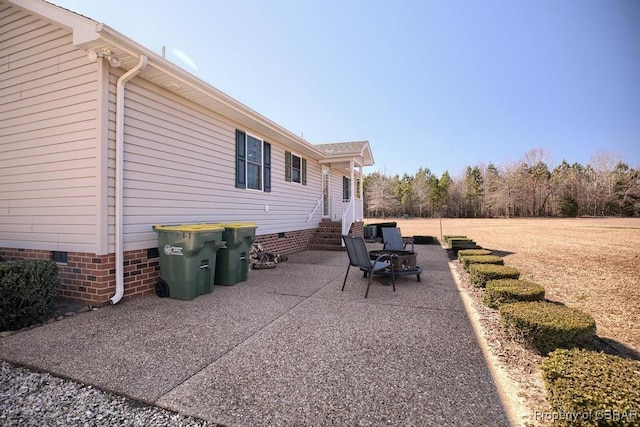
<point x="357" y="229"/>
<point x="285" y="243"/>
<point x="91" y="279"/>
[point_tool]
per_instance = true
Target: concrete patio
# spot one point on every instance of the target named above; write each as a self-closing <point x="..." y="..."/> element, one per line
<point x="286" y="347"/>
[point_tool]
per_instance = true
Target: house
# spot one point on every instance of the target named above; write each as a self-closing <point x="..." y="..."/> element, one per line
<point x="100" y="138"/>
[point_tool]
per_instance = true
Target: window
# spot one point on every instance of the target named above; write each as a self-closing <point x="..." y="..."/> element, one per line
<point x="59" y="257"/>
<point x="253" y="162"/>
<point x="295" y="168"/>
<point x="296" y="175"/>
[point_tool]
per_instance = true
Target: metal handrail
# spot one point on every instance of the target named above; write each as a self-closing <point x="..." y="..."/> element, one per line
<point x="318" y="203"/>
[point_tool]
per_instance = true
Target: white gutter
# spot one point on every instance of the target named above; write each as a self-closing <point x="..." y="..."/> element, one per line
<point x="142" y="63"/>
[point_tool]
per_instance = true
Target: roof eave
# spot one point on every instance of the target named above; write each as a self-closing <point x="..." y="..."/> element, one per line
<point x="243" y="114"/>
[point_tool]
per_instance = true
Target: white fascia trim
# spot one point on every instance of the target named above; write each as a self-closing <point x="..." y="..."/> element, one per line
<point x="84" y="29"/>
<point x="156" y="61"/>
<point x="344" y="159"/>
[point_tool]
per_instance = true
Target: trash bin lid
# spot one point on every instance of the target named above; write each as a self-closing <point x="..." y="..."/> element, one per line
<point x="189" y="228"/>
<point x="239" y="225"/>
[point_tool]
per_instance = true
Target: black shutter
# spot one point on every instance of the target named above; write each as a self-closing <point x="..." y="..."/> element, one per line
<point x="267" y="167"/>
<point x="287" y="166"/>
<point x="345" y="188"/>
<point x="304" y="171"/>
<point x="241" y="170"/>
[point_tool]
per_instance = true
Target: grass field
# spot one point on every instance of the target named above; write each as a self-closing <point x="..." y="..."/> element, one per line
<point x="589" y="263"/>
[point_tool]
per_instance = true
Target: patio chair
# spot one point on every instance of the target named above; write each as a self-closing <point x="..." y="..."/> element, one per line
<point x="393" y="240"/>
<point x="359" y="257"/>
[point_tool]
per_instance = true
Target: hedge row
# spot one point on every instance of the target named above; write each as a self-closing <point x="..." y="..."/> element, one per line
<point x="523" y="312"/>
<point x="589" y="388"/>
<point x="27" y="292"/>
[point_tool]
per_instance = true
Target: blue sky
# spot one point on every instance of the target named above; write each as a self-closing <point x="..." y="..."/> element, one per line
<point x="440" y="84"/>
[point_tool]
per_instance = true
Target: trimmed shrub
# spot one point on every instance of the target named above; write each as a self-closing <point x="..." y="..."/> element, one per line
<point x="601" y="389"/>
<point x="424" y="240"/>
<point x="480" y="274"/>
<point x="545" y="325"/>
<point x="511" y="290"/>
<point x="466" y="261"/>
<point x="448" y="238"/>
<point x="457" y="245"/>
<point x="27" y="291"/>
<point x="471" y="252"/>
<point x="461" y="241"/>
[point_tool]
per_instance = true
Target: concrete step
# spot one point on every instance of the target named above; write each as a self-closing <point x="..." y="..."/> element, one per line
<point x="330" y="229"/>
<point x="326" y="236"/>
<point x="325" y="242"/>
<point x="323" y="247"/>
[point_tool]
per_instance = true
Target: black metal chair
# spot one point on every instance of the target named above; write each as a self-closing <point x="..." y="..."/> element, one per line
<point x="392" y="238"/>
<point x="359" y="257"/>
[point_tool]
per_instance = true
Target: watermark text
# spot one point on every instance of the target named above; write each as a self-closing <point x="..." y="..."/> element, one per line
<point x="603" y="414"/>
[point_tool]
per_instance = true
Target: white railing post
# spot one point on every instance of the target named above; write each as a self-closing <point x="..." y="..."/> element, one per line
<point x="348" y="217"/>
<point x="359" y="210"/>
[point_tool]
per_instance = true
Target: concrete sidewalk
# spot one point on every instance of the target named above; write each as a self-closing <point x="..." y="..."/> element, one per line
<point x="286" y="347"/>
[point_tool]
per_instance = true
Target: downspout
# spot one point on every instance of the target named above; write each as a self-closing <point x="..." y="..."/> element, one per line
<point x="142" y="63"/>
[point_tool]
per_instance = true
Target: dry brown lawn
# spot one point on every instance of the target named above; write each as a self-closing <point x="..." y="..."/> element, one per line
<point x="589" y="263"/>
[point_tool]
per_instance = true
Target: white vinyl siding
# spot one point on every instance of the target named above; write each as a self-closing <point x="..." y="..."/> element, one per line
<point x="47" y="137"/>
<point x="57" y="154"/>
<point x="180" y="168"/>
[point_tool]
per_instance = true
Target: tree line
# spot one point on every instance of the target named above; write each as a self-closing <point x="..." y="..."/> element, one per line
<point x="606" y="186"/>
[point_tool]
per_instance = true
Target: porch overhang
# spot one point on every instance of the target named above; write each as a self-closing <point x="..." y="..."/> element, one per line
<point x="343" y="155"/>
<point x="342" y="164"/>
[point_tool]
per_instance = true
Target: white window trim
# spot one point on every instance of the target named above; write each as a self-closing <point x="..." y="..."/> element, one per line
<point x="300" y="170"/>
<point x="246" y="163"/>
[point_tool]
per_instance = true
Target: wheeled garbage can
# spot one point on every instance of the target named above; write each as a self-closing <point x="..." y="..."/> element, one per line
<point x="187" y="259"/>
<point x="233" y="261"/>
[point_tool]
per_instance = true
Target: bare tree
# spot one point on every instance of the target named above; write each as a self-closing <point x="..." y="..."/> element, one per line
<point x="378" y="194"/>
<point x="601" y="185"/>
<point x="527" y="187"/>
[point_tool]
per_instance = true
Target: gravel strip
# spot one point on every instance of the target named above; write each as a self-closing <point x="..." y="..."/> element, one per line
<point x="30" y="398"/>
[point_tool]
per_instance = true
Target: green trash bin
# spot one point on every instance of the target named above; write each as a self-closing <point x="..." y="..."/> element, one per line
<point x="187" y="259"/>
<point x="233" y="261"/>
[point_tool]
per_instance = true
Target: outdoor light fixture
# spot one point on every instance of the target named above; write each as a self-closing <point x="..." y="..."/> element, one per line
<point x="114" y="61"/>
